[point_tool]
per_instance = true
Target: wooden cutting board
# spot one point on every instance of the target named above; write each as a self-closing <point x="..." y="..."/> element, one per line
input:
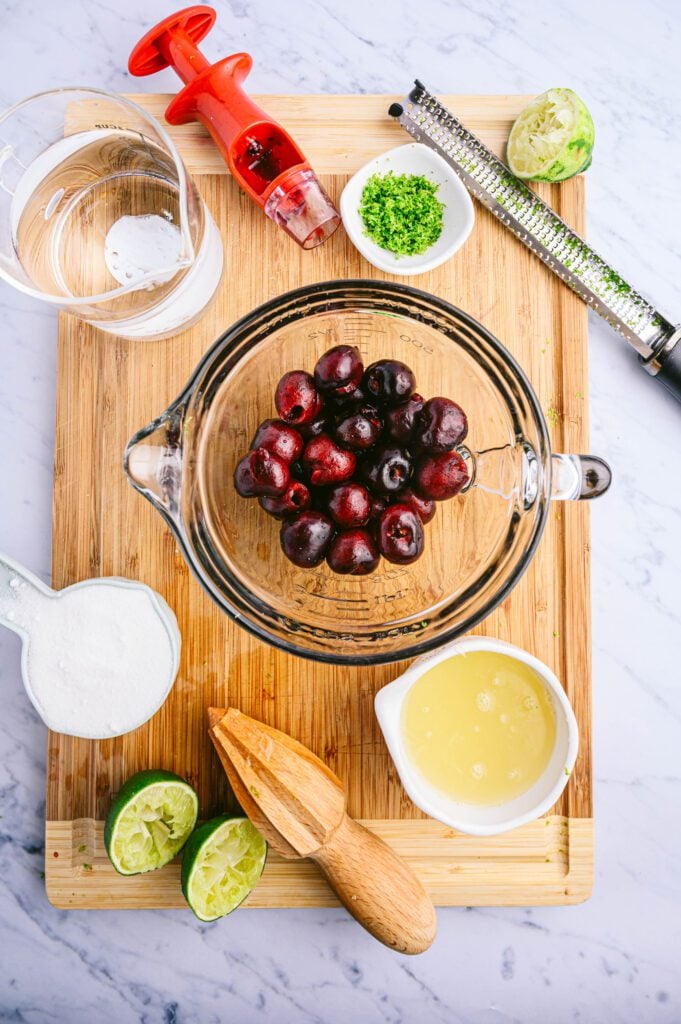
<point x="108" y="388"/>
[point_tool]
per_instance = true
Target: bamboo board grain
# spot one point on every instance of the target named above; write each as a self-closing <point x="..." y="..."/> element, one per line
<point x="108" y="388"/>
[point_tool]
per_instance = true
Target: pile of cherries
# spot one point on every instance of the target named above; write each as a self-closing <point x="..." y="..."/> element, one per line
<point x="355" y="462"/>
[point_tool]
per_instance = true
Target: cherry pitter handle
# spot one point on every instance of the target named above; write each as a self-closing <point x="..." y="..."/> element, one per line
<point x="261" y="155"/>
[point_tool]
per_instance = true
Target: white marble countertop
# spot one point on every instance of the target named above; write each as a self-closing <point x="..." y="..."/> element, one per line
<point x="613" y="959"/>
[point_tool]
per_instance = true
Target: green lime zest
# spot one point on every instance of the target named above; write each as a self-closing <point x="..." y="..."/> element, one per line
<point x="401" y="212"/>
<point x="552" y="415"/>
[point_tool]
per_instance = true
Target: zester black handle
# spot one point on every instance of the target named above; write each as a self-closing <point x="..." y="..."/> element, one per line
<point x="669" y="371"/>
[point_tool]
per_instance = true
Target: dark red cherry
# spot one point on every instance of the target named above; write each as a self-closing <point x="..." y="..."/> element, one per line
<point x="320" y="498"/>
<point x="389" y="381"/>
<point x="339" y="371"/>
<point x="326" y="462"/>
<point x="353" y="552"/>
<point x="424" y="507"/>
<point x="280" y="439"/>
<point x="387" y="469"/>
<point x="296" y="498"/>
<point x="305" y="538"/>
<point x="352" y="399"/>
<point x="358" y="429"/>
<point x="440" y="476"/>
<point x="349" y="505"/>
<point x="378" y="507"/>
<point x="400" y="420"/>
<point x="261" y="473"/>
<point x="319" y="425"/>
<point x="440" y="425"/>
<point x="400" y="535"/>
<point x="297" y="399"/>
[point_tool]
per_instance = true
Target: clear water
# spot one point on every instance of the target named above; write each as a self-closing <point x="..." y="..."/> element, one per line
<point x="100" y="210"/>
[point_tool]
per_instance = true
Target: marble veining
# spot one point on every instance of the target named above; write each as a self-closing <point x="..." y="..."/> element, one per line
<point x="614" y="959"/>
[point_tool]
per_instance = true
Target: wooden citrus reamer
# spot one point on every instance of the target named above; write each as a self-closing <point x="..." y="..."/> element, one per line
<point x="298" y="804"/>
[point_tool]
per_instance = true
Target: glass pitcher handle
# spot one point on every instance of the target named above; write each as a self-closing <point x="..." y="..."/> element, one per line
<point x="578" y="477"/>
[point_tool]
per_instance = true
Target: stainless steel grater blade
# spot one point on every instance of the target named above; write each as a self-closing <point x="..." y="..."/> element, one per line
<point x="536" y="225"/>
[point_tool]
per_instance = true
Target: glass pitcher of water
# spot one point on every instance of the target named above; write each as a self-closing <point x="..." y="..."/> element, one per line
<point x="98" y="215"/>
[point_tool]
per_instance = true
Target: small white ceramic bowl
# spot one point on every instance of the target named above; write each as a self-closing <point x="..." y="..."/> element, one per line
<point x="458" y="215"/>
<point x="479" y="820"/>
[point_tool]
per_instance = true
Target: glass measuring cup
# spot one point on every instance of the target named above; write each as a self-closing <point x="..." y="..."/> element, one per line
<point x="477" y="546"/>
<point x="98" y="215"/>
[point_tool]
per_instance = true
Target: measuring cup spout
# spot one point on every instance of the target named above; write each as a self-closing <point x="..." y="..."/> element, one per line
<point x="153" y="461"/>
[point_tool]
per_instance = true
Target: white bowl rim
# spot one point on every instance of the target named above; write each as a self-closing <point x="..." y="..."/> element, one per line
<point x="388" y="706"/>
<point x="383" y="259"/>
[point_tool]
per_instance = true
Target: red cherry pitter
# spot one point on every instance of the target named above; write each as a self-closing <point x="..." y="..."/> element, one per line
<point x="261" y="155"/>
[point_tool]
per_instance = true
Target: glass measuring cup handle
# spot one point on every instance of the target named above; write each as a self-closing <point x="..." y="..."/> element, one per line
<point x="153" y="461"/>
<point x="578" y="477"/>
<point x="516" y="470"/>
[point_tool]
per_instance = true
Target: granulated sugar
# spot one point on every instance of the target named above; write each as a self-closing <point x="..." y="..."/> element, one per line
<point x="100" y="659"/>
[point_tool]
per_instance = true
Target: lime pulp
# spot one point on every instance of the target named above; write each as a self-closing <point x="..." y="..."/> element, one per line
<point x="149" y="821"/>
<point x="222" y="862"/>
<point x="552" y="138"/>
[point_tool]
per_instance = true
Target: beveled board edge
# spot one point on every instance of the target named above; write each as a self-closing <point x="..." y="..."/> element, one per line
<point x="548" y="862"/>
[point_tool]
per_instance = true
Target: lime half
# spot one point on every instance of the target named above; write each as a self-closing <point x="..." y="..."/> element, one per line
<point x="222" y="861"/>
<point x="149" y="821"/>
<point x="552" y="139"/>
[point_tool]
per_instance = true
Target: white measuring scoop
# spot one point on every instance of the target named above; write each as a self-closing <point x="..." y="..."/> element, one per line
<point x="98" y="658"/>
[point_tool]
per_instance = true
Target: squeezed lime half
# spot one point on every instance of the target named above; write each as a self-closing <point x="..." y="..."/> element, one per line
<point x="149" y="821"/>
<point x="222" y="862"/>
<point x="552" y="138"/>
